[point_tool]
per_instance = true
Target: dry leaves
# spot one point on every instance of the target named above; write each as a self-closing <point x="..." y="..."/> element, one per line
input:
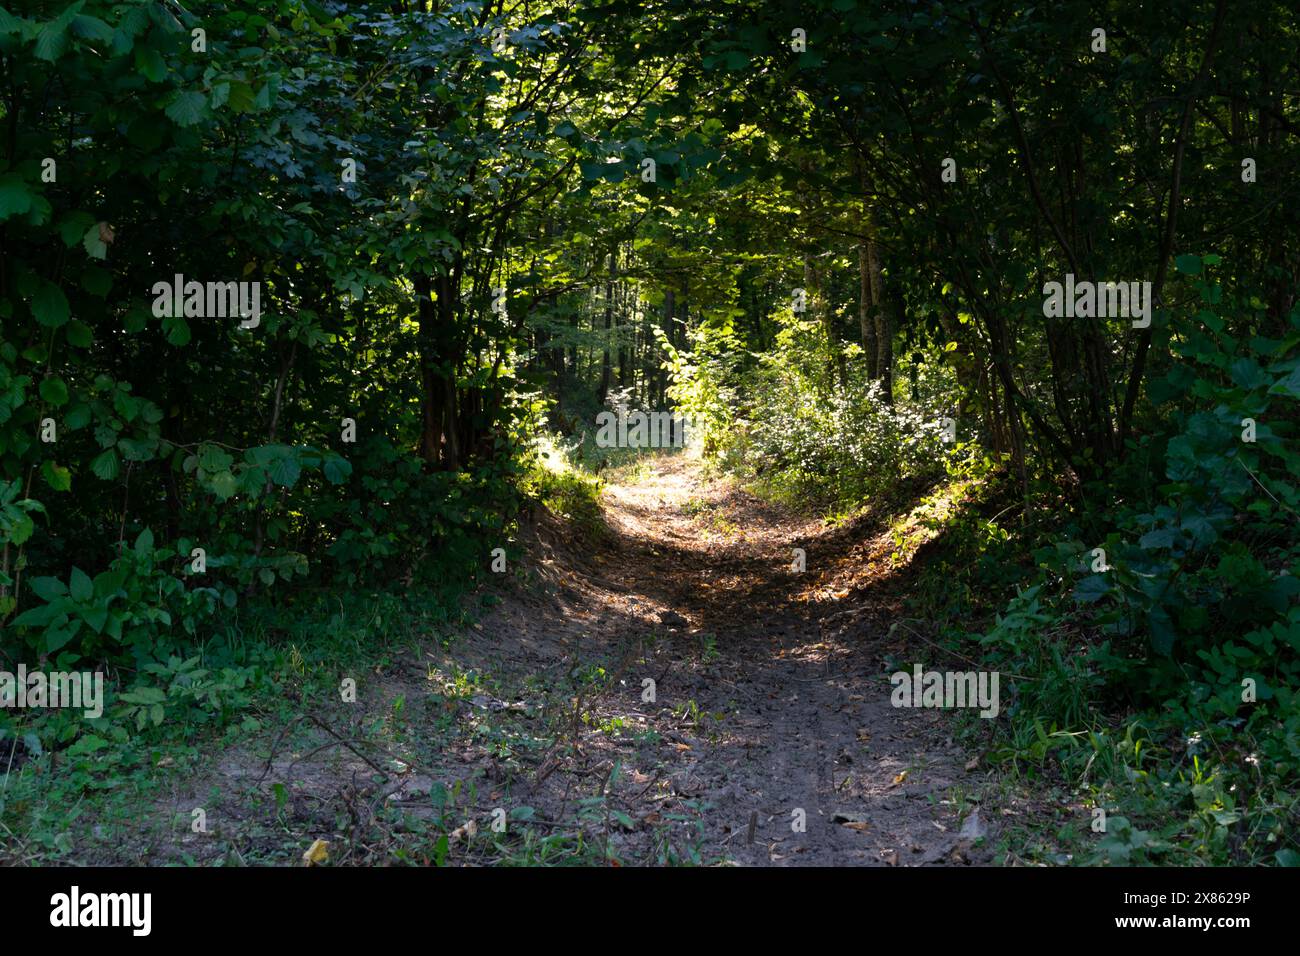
<point x="317" y="853"/>
<point x="465" y="832"/>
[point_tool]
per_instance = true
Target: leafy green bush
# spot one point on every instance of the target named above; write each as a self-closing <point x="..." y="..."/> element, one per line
<point x="1194" y="623"/>
<point x="128" y="612"/>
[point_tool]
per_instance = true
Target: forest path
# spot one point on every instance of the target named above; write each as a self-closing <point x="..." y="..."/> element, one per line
<point x="771" y="708"/>
<point x="772" y="698"/>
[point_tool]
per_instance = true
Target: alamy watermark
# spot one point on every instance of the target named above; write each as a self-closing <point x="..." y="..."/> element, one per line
<point x="946" y="689"/>
<point x="79" y="690"/>
<point x="75" y="908"/>
<point x="208" y="300"/>
<point x="1098" y="300"/>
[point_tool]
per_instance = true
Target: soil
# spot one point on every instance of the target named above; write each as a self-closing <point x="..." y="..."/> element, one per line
<point x="771" y="707"/>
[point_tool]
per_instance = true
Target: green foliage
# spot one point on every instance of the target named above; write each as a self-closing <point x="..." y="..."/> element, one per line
<point x="782" y="424"/>
<point x="1195" y="624"/>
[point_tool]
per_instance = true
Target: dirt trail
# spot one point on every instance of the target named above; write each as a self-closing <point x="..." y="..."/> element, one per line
<point x="789" y="685"/>
<point x="771" y="705"/>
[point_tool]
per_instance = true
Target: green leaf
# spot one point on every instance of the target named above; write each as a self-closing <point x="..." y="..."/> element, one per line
<point x="87" y="744"/>
<point x="1188" y="265"/>
<point x="1159" y="538"/>
<point x="21" y="529"/>
<point x="80" y="586"/>
<point x="177" y="329"/>
<point x="74" y="226"/>
<point x="137" y="317"/>
<point x="48" y="589"/>
<point x="56" y="476"/>
<point x="15" y="197"/>
<point x="96" y="616"/>
<point x="337" y="469"/>
<point x="54" y="390"/>
<point x="95" y="246"/>
<point x="57" y="637"/>
<point x="1091" y="588"/>
<point x="39" y="616"/>
<point x="106" y="465"/>
<point x="52" y="41"/>
<point x="78" y="334"/>
<point x="144" y="543"/>
<point x="149" y="62"/>
<point x="224" y="485"/>
<point x="285" y="470"/>
<point x="187" y="107"/>
<point x="126" y="405"/>
<point x="92" y="28"/>
<point x="143" y="696"/>
<point x="212" y="459"/>
<point x="1162" y="631"/>
<point x="50" y="305"/>
<point x="11" y="25"/>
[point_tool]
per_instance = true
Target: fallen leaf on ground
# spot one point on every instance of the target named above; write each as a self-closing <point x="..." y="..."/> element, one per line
<point x="467" y="831"/>
<point x="317" y="853"/>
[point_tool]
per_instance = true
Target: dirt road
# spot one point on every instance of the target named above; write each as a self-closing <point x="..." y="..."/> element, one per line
<point x="771" y="699"/>
<point x="671" y="692"/>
